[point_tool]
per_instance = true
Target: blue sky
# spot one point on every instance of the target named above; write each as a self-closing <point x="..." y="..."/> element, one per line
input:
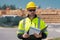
<point x="22" y="3"/>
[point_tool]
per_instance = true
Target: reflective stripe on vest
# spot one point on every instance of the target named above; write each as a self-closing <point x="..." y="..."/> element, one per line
<point x="24" y="23"/>
<point x="38" y="23"/>
<point x="21" y="31"/>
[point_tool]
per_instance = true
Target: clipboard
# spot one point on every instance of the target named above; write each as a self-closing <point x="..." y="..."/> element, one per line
<point x="34" y="30"/>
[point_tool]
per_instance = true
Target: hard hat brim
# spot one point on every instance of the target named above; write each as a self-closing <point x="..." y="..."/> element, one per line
<point x="31" y="8"/>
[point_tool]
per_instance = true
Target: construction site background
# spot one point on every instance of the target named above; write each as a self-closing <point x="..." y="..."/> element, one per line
<point x="48" y="15"/>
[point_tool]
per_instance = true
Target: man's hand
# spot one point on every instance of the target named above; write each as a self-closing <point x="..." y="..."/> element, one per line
<point x="25" y="35"/>
<point x="38" y="35"/>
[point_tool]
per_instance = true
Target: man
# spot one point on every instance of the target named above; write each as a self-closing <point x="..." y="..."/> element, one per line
<point x="31" y="21"/>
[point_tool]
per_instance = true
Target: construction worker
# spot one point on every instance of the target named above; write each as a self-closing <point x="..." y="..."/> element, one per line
<point x="31" y="21"/>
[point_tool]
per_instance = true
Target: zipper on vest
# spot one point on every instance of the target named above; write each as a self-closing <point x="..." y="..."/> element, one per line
<point x="31" y="21"/>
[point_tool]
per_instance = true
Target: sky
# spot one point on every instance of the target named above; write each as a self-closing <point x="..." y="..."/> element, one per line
<point x="42" y="3"/>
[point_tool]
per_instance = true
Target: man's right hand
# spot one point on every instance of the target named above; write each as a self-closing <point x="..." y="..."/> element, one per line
<point x="25" y="35"/>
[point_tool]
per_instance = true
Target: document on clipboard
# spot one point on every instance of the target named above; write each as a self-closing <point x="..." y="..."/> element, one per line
<point x="34" y="30"/>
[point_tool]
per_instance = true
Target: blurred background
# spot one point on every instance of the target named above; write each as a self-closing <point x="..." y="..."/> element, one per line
<point x="12" y="11"/>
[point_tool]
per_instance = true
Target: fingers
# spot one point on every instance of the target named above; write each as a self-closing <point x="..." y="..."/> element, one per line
<point x="37" y="35"/>
<point x="25" y="35"/>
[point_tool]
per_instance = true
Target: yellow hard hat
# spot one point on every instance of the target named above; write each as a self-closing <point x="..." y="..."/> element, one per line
<point x="31" y="5"/>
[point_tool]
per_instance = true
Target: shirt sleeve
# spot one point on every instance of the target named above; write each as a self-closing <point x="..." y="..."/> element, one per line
<point x="20" y="27"/>
<point x="43" y="27"/>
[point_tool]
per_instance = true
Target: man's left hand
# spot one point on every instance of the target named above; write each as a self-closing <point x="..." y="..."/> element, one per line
<point x="38" y="35"/>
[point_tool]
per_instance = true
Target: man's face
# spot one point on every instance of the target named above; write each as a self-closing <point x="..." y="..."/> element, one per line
<point x="31" y="12"/>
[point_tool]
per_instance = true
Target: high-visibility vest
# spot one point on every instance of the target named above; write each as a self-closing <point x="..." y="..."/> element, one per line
<point x="26" y="23"/>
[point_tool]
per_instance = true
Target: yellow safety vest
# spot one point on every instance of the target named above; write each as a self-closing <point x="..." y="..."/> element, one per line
<point x="26" y="23"/>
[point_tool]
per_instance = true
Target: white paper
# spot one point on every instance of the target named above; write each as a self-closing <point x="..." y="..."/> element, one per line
<point x="33" y="30"/>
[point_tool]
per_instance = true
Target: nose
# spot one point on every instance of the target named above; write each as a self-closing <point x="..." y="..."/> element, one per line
<point x="32" y="11"/>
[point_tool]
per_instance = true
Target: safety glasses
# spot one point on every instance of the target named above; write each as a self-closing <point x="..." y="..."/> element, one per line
<point x="32" y="10"/>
